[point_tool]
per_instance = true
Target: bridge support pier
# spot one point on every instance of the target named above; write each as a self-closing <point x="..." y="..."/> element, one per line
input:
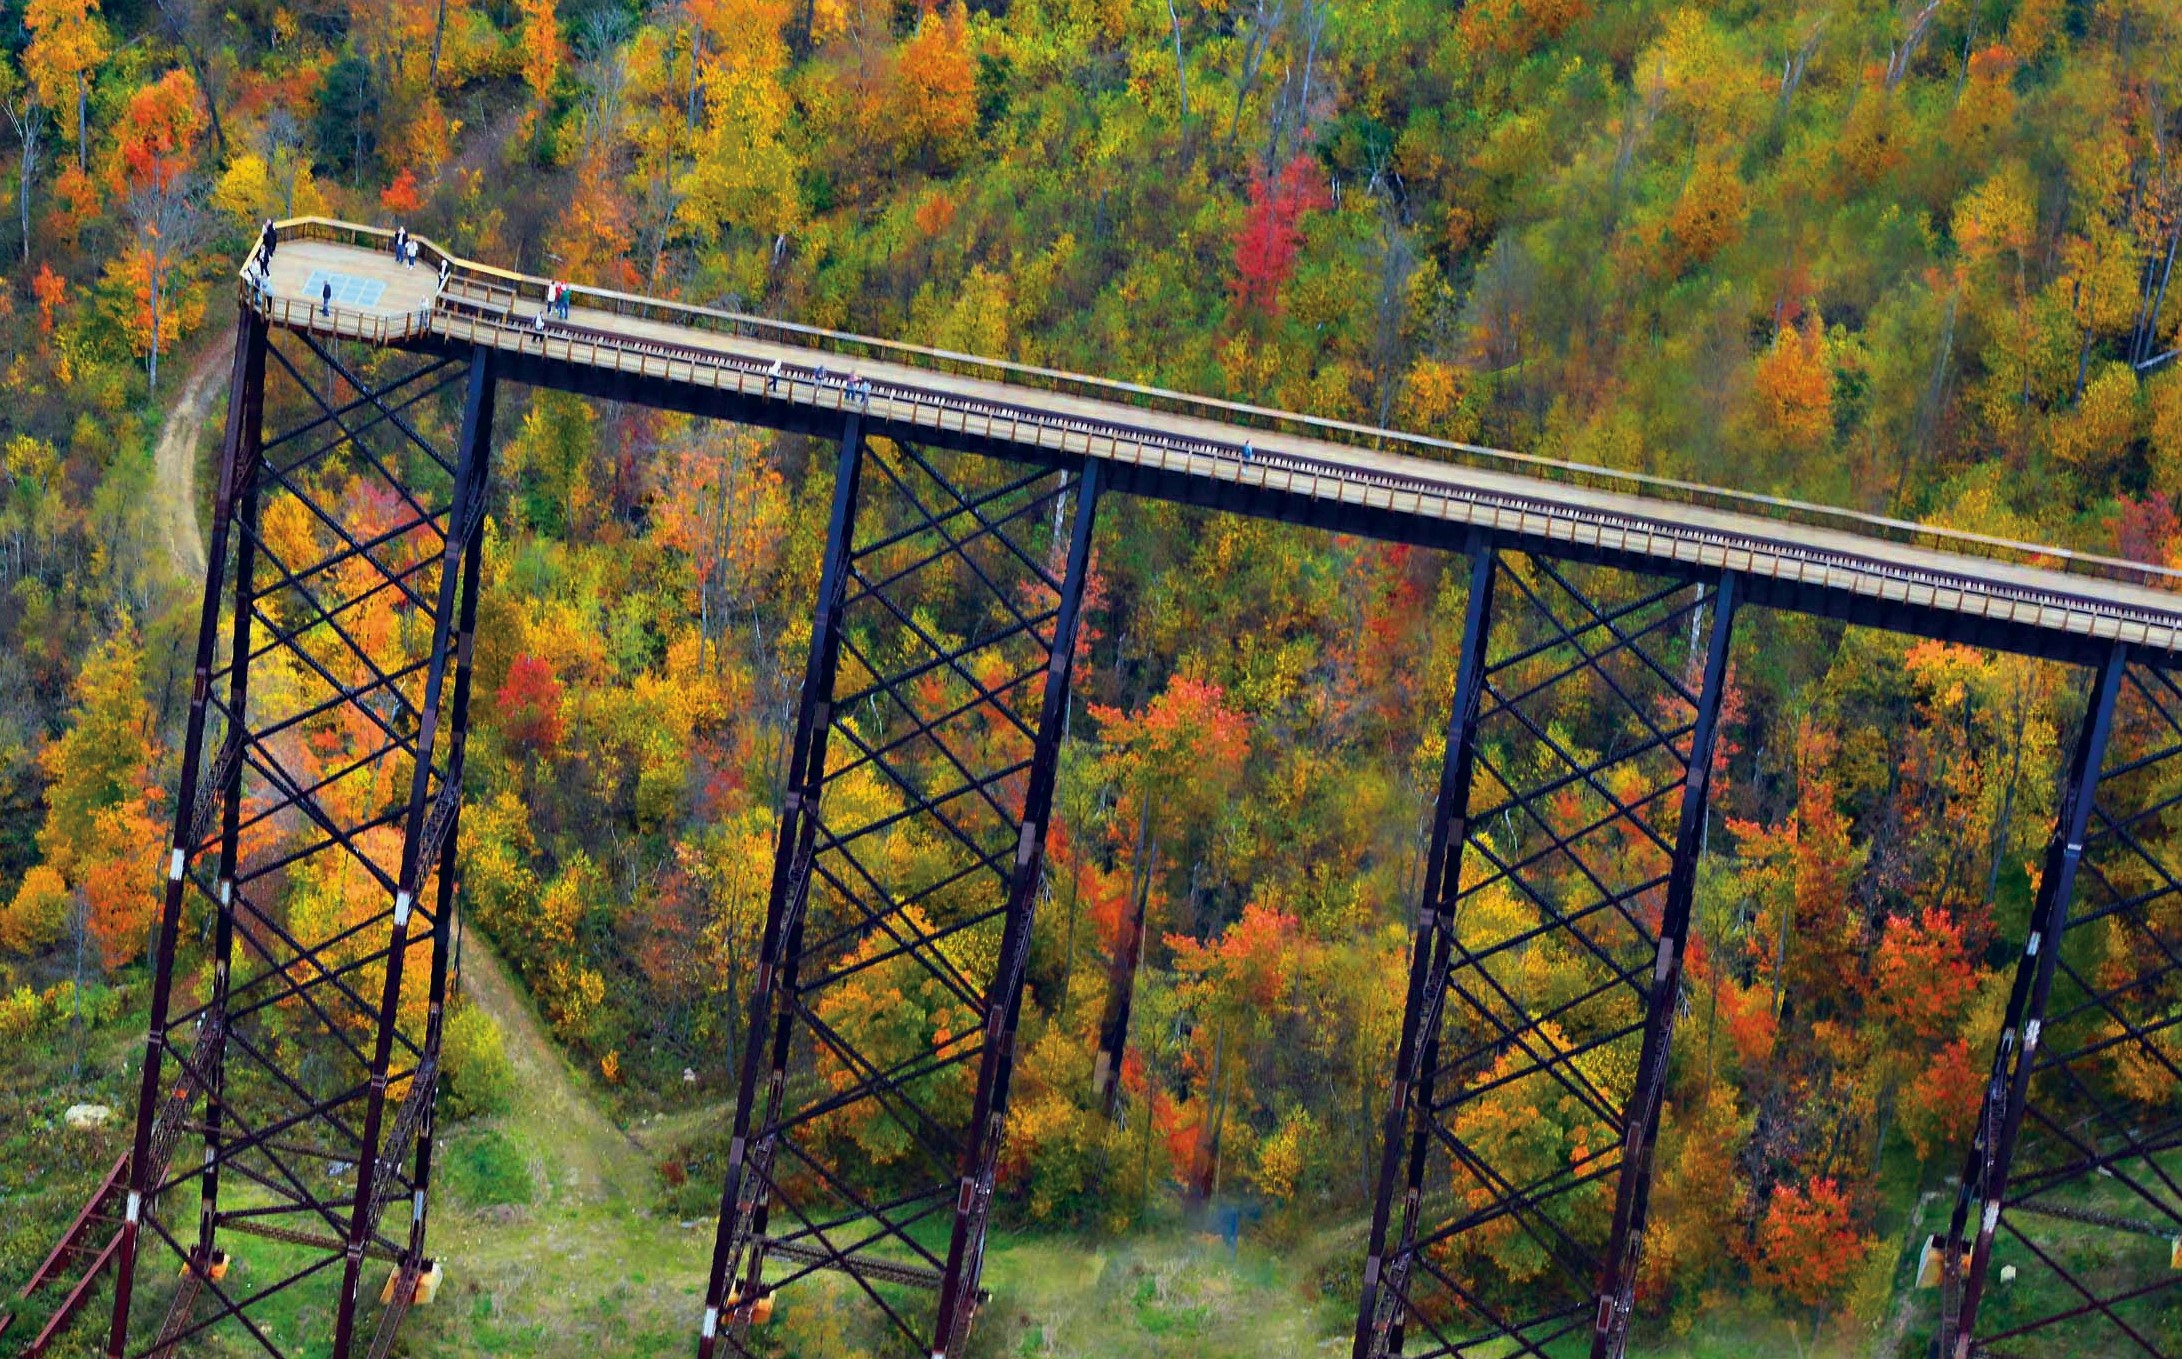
<point x="323" y="800"/>
<point x="907" y="867"/>
<point x="427" y="847"/>
<point x="155" y="1123"/>
<point x="2069" y="1174"/>
<point x="1566" y="833"/>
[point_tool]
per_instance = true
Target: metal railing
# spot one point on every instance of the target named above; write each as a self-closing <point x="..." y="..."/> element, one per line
<point x="1243" y="417"/>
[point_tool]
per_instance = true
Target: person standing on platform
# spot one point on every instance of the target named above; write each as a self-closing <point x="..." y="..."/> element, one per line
<point x="564" y="300"/>
<point x="325" y="298"/>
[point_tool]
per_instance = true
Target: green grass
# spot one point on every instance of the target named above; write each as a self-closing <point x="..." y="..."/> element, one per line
<point x="485" y="1169"/>
<point x="558" y="1242"/>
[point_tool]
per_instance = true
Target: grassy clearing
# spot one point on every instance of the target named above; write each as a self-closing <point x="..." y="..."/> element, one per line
<point x="560" y="1243"/>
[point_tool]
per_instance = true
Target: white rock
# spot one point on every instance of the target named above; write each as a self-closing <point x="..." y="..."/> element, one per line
<point x="87" y="1115"/>
<point x="689" y="1075"/>
<point x="2007" y="1274"/>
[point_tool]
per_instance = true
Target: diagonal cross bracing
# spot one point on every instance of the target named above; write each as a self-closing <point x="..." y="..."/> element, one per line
<point x="316" y="833"/>
<point x="874" y="1076"/>
<point x="1546" y="964"/>
<point x="2070" y="1178"/>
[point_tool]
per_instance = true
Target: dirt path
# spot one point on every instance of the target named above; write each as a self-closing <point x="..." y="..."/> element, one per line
<point x="174" y="463"/>
<point x="586" y="1157"/>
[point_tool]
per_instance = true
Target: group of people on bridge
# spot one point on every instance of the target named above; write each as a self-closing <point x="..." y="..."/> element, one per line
<point x="258" y="273"/>
<point x="853" y="385"/>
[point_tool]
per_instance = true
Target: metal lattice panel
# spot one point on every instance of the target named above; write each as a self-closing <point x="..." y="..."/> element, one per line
<point x="1548" y="953"/>
<point x="302" y="958"/>
<point x="874" y="1081"/>
<point x="2073" y="1178"/>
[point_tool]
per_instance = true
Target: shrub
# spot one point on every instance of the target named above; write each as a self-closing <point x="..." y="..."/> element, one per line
<point x="19" y="1013"/>
<point x="474" y="1068"/>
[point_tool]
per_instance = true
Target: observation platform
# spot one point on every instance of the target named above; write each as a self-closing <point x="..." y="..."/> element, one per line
<point x="1838" y="563"/>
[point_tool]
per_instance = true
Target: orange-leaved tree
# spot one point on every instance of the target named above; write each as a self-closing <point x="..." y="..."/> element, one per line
<point x="1236" y="988"/>
<point x="541" y="50"/>
<point x="1174" y="764"/>
<point x="529" y="704"/>
<point x="1940" y="1104"/>
<point x="933" y="105"/>
<point x="100" y="840"/>
<point x="155" y="151"/>
<point x="1809" y="1246"/>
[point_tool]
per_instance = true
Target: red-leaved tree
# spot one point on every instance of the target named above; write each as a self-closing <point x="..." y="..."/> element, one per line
<point x="1265" y="250"/>
<point x="530" y="705"/>
<point x="1809" y="1248"/>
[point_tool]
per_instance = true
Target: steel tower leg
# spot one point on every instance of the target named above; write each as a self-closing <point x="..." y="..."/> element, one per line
<point x="1377" y="1318"/>
<point x="1633" y="1190"/>
<point x="1004" y="999"/>
<point x="346" y="543"/>
<point x="740" y="1202"/>
<point x="443" y="912"/>
<point x="226" y="782"/>
<point x="1985" y="1179"/>
<point x="245" y="398"/>
<point x="432" y="804"/>
<point x="875" y="1076"/>
<point x="1570" y="813"/>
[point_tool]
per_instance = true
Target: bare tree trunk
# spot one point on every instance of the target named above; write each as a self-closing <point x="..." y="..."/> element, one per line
<point x="1263" y="25"/>
<point x="25" y="118"/>
<point x="152" y="269"/>
<point x="1181" y="64"/>
<point x="1398" y="262"/>
<point x="2007" y="798"/>
<point x="1121" y="975"/>
<point x="1219" y="1111"/>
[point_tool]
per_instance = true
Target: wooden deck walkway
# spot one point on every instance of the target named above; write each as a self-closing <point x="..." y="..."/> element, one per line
<point x="1842" y="559"/>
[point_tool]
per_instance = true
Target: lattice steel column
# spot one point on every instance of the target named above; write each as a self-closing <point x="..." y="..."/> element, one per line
<point x="353" y="535"/>
<point x="434" y="796"/>
<point x="1004" y="998"/>
<point x="875" y="1073"/>
<point x="1633" y="1191"/>
<point x="245" y="410"/>
<point x="1417" y="1056"/>
<point x="2071" y="1176"/>
<point x="1548" y="953"/>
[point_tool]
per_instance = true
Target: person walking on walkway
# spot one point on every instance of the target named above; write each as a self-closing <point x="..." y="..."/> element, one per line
<point x="401" y="234"/>
<point x="325" y="298"/>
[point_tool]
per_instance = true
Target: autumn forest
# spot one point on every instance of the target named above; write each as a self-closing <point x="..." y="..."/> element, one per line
<point x="1912" y="259"/>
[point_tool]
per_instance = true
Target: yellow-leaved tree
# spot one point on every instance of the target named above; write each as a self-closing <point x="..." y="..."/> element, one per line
<point x="67" y="42"/>
<point x="743" y="173"/>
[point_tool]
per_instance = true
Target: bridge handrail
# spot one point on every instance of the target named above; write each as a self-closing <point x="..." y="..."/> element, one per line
<point x="1350" y="433"/>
